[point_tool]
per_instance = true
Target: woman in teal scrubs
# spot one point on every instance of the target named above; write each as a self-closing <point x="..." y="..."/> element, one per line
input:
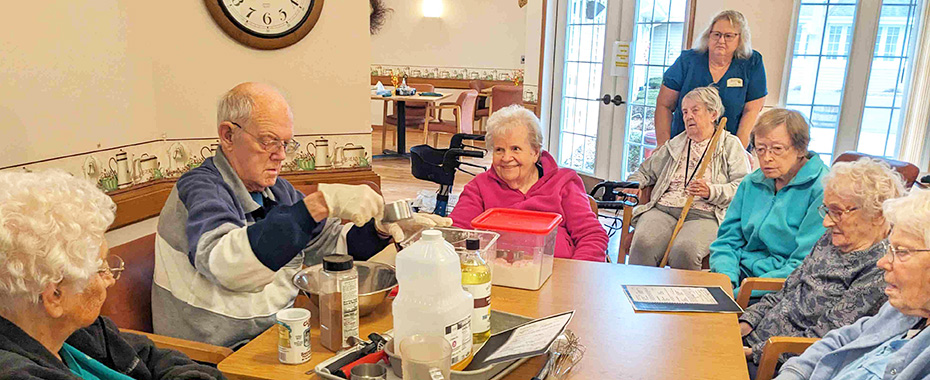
<point x="723" y="58"/>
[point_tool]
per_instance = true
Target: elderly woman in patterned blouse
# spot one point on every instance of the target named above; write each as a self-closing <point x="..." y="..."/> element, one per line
<point x="838" y="282"/>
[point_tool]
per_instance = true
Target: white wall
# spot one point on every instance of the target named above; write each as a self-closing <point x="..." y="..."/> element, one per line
<point x="770" y="24"/>
<point x="98" y="74"/>
<point x="470" y="33"/>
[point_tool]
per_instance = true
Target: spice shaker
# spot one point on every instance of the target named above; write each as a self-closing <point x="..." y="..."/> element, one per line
<point x="338" y="302"/>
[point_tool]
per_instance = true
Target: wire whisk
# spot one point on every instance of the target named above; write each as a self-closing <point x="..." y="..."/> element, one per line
<point x="566" y="353"/>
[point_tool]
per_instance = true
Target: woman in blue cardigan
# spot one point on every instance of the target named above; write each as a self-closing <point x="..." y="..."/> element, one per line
<point x="772" y="222"/>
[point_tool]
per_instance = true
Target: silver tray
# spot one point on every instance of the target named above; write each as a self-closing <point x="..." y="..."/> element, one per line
<point x="500" y="321"/>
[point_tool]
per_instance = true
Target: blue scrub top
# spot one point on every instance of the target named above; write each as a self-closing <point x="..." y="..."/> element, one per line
<point x="743" y="82"/>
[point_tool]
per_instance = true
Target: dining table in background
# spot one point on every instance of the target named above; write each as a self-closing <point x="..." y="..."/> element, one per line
<point x="402" y="118"/>
<point x="621" y="343"/>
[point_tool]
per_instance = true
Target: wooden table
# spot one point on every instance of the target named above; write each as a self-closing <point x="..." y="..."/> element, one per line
<point x="402" y="119"/>
<point x="621" y="343"/>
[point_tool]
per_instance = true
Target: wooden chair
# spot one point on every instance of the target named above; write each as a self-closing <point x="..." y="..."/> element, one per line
<point x="416" y="113"/>
<point x="501" y="96"/>
<point x="776" y="345"/>
<point x="463" y="109"/>
<point x="481" y="103"/>
<point x="129" y="302"/>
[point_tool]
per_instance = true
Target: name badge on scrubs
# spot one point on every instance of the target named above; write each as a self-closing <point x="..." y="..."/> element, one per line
<point x="735" y="82"/>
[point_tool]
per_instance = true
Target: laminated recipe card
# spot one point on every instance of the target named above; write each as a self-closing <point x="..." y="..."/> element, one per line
<point x="708" y="299"/>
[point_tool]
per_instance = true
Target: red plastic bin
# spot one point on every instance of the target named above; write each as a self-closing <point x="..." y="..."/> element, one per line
<point x="525" y="248"/>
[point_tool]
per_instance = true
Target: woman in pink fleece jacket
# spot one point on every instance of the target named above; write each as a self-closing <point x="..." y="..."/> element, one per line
<point x="523" y="176"/>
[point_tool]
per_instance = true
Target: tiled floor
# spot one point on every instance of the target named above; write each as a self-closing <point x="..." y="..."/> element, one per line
<point x="398" y="183"/>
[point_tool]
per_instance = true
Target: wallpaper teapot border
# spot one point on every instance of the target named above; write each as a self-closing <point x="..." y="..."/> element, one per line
<point x="135" y="164"/>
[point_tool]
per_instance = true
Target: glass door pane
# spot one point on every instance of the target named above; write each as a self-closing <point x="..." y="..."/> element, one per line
<point x="585" y="32"/>
<point x="658" y="32"/>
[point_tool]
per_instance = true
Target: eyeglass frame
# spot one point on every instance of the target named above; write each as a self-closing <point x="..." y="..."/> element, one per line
<point x="764" y="151"/>
<point x="897" y="252"/>
<point x="728" y="37"/>
<point x="277" y="143"/>
<point x="115" y="272"/>
<point x="824" y="210"/>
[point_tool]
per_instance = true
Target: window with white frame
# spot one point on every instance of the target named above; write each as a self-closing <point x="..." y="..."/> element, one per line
<point x="881" y="116"/>
<point x="823" y="74"/>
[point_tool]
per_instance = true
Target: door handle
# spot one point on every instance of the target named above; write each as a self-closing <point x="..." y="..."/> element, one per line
<point x="617" y="100"/>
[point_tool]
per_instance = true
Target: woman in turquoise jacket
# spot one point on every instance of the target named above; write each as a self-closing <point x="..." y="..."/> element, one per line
<point x="772" y="222"/>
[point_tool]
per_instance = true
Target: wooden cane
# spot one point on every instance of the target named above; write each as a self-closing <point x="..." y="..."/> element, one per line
<point x="700" y="173"/>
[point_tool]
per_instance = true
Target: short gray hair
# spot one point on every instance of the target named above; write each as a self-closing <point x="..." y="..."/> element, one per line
<point x="910" y="213"/>
<point x="709" y="97"/>
<point x="744" y="49"/>
<point x="510" y="117"/>
<point x="235" y="106"/>
<point x="51" y="227"/>
<point x="867" y="181"/>
<point x="794" y="121"/>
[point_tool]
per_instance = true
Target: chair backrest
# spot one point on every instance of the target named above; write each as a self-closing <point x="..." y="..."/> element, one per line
<point x="505" y="95"/>
<point x="422" y="87"/>
<point x="476" y="84"/>
<point x="129" y="300"/>
<point x="907" y="170"/>
<point x="466" y="101"/>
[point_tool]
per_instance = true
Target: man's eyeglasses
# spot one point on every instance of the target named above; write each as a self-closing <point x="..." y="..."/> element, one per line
<point x="728" y="37"/>
<point x="271" y="145"/>
<point x="902" y="254"/>
<point x="836" y="215"/>
<point x="113" y="266"/>
<point x="776" y="150"/>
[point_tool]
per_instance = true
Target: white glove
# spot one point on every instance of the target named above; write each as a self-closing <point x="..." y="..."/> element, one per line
<point x="355" y="203"/>
<point x="400" y="229"/>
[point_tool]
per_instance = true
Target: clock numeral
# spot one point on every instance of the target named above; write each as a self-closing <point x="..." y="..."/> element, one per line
<point x="267" y="18"/>
<point x="296" y="4"/>
<point x="251" y="10"/>
<point x="237" y="3"/>
<point x="283" y="15"/>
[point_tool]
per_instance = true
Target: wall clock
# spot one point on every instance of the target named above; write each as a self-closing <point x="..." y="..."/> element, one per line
<point x="266" y="24"/>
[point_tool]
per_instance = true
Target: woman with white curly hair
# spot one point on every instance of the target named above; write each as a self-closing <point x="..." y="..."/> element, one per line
<point x="838" y="282"/>
<point x="892" y="343"/>
<point x="54" y="274"/>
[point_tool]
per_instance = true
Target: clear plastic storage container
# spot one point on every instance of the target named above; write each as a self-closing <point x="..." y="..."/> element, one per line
<point x="525" y="248"/>
<point x="458" y="236"/>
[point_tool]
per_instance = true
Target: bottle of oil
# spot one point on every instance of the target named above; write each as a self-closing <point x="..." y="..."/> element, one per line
<point x="476" y="279"/>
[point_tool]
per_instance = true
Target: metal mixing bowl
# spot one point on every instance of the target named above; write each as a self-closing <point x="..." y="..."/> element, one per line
<point x="375" y="282"/>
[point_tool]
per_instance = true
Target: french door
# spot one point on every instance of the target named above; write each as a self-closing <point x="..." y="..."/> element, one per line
<point x="594" y="130"/>
<point x="586" y="134"/>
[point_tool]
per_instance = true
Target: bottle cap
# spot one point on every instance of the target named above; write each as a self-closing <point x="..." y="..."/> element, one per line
<point x="337" y="263"/>
<point x="472" y="244"/>
<point x="432" y="235"/>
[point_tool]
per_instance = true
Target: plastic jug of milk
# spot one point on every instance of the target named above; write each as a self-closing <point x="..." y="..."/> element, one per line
<point x="431" y="300"/>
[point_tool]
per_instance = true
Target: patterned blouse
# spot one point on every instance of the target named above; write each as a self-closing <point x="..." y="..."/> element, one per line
<point x="830" y="289"/>
<point x="676" y="195"/>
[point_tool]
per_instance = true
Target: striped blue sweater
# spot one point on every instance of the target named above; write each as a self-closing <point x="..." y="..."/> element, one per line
<point x="224" y="263"/>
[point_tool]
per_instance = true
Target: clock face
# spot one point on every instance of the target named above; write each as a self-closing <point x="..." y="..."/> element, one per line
<point x="267" y="18"/>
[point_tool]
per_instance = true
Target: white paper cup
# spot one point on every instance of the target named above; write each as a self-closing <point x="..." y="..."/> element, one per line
<point x="293" y="335"/>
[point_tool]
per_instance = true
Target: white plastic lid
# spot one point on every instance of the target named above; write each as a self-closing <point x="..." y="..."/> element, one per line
<point x="432" y="235"/>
